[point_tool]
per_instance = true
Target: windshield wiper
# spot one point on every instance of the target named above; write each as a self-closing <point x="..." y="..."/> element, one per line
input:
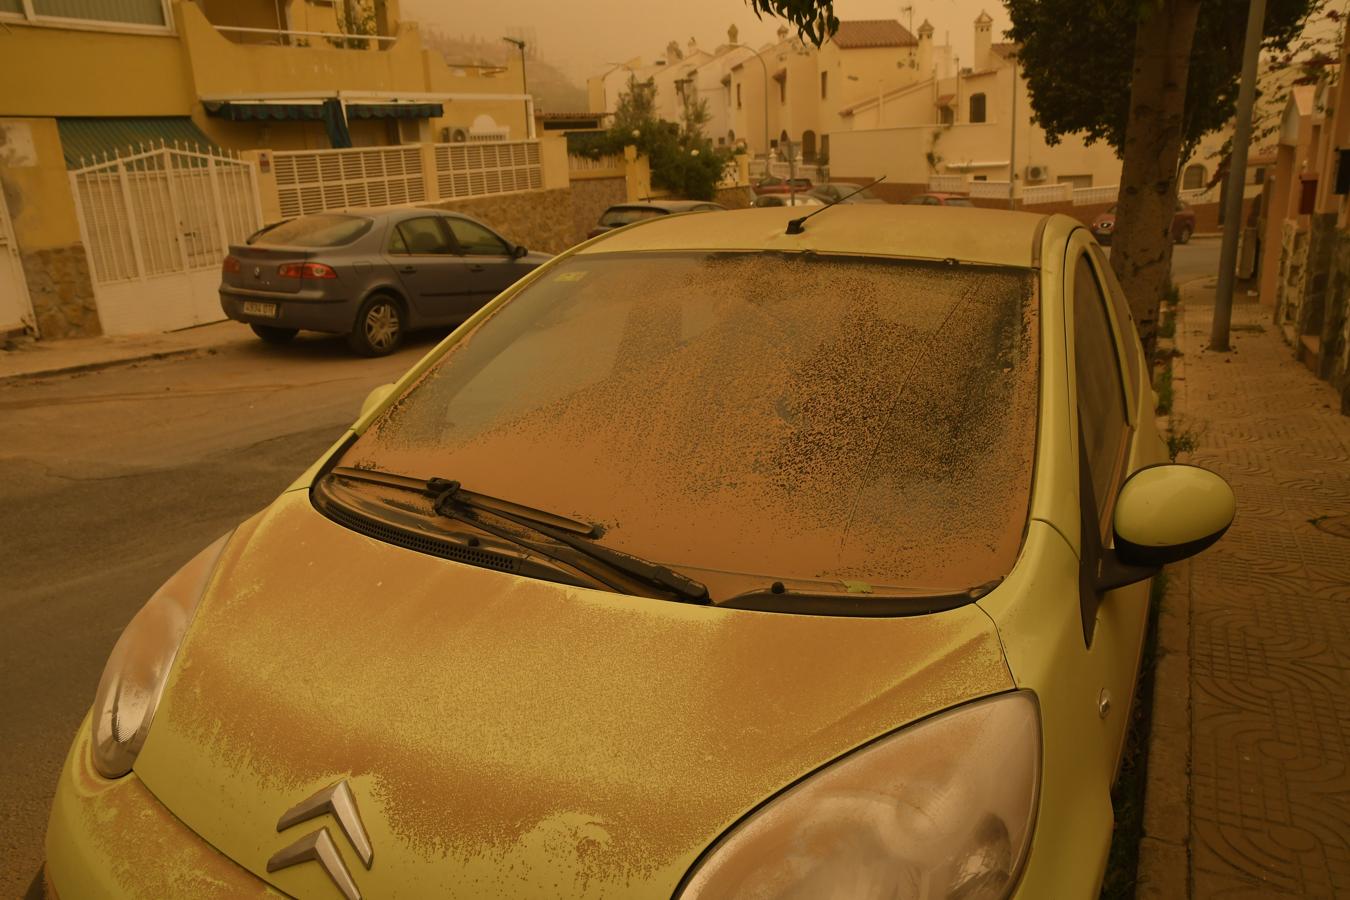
<point x="452" y="500"/>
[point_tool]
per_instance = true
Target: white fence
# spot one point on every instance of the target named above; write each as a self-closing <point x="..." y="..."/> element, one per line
<point x="476" y="170"/>
<point x="576" y="163"/>
<point x="1089" y="196"/>
<point x="311" y="181"/>
<point x="947" y="184"/>
<point x="1047" y="193"/>
<point x="991" y="190"/>
<point x="156" y="226"/>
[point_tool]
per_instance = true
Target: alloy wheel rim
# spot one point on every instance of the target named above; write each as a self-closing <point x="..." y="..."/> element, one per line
<point x="382" y="326"/>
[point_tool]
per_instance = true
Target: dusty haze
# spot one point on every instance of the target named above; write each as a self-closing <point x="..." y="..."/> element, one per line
<point x="580" y="38"/>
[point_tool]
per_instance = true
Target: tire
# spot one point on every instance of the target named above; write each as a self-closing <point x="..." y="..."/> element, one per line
<point x="1185" y="236"/>
<point x="379" y="327"/>
<point x="273" y="335"/>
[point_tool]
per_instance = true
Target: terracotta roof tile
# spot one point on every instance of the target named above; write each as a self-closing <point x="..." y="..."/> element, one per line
<point x="864" y="33"/>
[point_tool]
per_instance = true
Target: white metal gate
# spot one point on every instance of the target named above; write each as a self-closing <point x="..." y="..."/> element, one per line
<point x="156" y="226"/>
<point x="16" y="310"/>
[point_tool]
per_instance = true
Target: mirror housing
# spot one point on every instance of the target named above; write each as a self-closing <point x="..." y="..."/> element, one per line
<point x="1169" y="512"/>
<point x="375" y="398"/>
<point x="518" y="251"/>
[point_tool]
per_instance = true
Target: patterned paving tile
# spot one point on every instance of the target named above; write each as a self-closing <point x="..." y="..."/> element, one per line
<point x="1270" y="625"/>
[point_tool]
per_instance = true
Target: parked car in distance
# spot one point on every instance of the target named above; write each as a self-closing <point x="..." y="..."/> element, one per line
<point x="844" y="192"/>
<point x="764" y="200"/>
<point x="372" y="275"/>
<point x="772" y="184"/>
<point x="621" y="214"/>
<point x="713" y="560"/>
<point x="1183" y="224"/>
<point x="939" y="199"/>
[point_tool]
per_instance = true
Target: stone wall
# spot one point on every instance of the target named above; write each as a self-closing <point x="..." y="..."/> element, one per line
<point x="547" y="221"/>
<point x="62" y="292"/>
<point x="734" y="197"/>
<point x="1336" y="326"/>
<point x="590" y="198"/>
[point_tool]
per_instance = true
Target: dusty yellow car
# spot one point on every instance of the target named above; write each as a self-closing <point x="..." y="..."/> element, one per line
<point x="722" y="556"/>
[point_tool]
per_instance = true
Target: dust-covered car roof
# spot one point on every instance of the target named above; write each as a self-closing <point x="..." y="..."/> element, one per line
<point x="986" y="236"/>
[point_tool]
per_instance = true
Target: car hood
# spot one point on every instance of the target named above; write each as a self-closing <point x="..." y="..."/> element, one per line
<point x="506" y="736"/>
<point x="536" y="259"/>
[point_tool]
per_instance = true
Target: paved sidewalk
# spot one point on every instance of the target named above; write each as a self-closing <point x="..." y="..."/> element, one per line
<point x="1269" y="616"/>
<point x="30" y="359"/>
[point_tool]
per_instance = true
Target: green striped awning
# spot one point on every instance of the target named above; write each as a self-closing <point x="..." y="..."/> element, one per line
<point x="87" y="138"/>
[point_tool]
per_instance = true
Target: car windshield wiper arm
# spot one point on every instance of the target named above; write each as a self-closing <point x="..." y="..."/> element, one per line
<point x="451" y="499"/>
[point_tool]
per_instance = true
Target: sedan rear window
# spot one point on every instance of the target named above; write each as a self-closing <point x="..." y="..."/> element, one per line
<point x="627" y="215"/>
<point x="325" y="230"/>
<point x="834" y="423"/>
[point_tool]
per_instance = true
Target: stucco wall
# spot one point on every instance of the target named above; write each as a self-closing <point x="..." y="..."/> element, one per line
<point x="37" y="193"/>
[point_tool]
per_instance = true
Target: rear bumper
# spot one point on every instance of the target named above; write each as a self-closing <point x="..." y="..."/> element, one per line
<point x="332" y="316"/>
<point x="114" y="839"/>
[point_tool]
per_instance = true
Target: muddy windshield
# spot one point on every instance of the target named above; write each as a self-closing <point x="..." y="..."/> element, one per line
<point x="833" y="423"/>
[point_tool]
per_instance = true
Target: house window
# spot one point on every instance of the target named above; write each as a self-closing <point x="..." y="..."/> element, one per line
<point x="977" y="108"/>
<point x="738" y="95"/>
<point x="782" y="89"/>
<point x="133" y="14"/>
<point x="979" y="178"/>
<point x="945" y="115"/>
<point x="824" y="80"/>
<point x="1193" y="179"/>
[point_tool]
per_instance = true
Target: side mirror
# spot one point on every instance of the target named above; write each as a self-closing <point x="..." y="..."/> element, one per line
<point x="375" y="398"/>
<point x="1169" y="512"/>
<point x="518" y="251"/>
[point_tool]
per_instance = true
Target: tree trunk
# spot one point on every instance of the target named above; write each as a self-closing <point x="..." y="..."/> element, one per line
<point x="1141" y="245"/>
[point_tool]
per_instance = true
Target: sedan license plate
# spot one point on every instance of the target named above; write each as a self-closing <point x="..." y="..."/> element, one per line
<point x="252" y="308"/>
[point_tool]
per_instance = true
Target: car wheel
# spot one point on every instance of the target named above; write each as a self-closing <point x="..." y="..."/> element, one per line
<point x="274" y="335"/>
<point x="379" y="327"/>
<point x="1185" y="236"/>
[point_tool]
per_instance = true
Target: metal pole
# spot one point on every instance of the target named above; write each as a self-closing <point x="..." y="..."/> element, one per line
<point x="1012" y="141"/>
<point x="1237" y="177"/>
<point x="524" y="85"/>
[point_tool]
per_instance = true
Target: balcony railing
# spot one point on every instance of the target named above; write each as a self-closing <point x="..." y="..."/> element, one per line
<point x="285" y="38"/>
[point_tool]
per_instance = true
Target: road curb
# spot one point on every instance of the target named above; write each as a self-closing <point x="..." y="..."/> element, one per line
<point x="1163" y="871"/>
<point x="107" y="364"/>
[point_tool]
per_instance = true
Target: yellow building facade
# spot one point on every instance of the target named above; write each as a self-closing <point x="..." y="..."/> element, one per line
<point x="228" y="75"/>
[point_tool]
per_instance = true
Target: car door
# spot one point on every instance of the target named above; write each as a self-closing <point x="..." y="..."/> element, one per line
<point x="421" y="251"/>
<point x="489" y="265"/>
<point x="1107" y="365"/>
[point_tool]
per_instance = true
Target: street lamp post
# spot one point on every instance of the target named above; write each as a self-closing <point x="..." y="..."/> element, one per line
<point x="765" y="67"/>
<point x="524" y="85"/>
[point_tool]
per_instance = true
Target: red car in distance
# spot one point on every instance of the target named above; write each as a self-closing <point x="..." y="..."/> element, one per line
<point x="1183" y="224"/>
<point x="775" y="185"/>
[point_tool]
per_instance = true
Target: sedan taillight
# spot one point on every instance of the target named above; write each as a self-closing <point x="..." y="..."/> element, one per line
<point x="306" y="270"/>
<point x="230" y="266"/>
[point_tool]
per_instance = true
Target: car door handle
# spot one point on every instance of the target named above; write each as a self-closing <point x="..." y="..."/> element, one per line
<point x="476" y="267"/>
<point x="407" y="270"/>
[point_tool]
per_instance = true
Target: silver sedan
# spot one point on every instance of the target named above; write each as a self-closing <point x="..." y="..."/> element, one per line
<point x="372" y="275"/>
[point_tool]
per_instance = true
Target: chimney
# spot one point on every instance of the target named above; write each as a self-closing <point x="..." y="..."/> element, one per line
<point x="926" y="49"/>
<point x="693" y="47"/>
<point x="984" y="25"/>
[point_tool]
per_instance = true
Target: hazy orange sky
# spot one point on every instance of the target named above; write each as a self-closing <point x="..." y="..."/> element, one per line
<point x="581" y="36"/>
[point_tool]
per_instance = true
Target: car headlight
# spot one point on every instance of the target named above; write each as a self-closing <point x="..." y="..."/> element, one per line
<point x="940" y="810"/>
<point x="133" y="679"/>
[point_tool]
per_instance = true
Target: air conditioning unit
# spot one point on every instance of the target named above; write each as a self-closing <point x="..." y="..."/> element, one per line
<point x="454" y="135"/>
<point x="1037" y="173"/>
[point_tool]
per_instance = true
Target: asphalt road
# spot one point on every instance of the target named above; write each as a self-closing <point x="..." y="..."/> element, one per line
<point x="111" y="481"/>
<point x="114" y="479"/>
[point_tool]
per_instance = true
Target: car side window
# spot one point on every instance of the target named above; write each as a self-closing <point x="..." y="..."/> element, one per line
<point x="1124" y="320"/>
<point x="1101" y="394"/>
<point x="397" y="244"/>
<point x="475" y="240"/>
<point x="424" y="235"/>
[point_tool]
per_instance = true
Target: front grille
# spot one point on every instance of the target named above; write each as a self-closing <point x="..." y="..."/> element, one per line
<point x="421" y="543"/>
